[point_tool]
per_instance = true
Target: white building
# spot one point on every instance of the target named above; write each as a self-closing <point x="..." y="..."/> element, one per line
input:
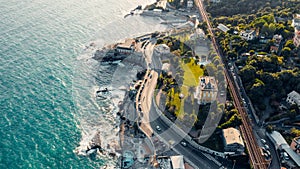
<point x="280" y="144"/>
<point x="190" y="3"/>
<point x="277" y="38"/>
<point x="293" y="98"/>
<point x="248" y="34"/>
<point x="296" y="25"/>
<point x="223" y="27"/>
<point x="162" y="4"/>
<point x="207" y="90"/>
<point x="233" y="141"/>
<point x="177" y="162"/>
<point x="297" y="36"/>
<point x="296" y="21"/>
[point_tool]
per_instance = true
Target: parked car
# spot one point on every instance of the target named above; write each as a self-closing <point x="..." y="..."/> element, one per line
<point x="267" y="147"/>
<point x="158" y="128"/>
<point x="263" y="141"/>
<point x="285" y="156"/>
<point x="183" y="143"/>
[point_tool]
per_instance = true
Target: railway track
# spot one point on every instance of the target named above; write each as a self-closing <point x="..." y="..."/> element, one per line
<point x="256" y="158"/>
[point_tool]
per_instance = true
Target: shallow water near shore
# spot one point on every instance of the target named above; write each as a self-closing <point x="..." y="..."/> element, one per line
<point x="48" y="79"/>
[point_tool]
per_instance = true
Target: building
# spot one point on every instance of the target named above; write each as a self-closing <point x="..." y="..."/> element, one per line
<point x="297" y="36"/>
<point x="233" y="141"/>
<point x="162" y="4"/>
<point x="162" y="49"/>
<point x="215" y="1"/>
<point x="248" y="34"/>
<point x="274" y="49"/>
<point x="223" y="27"/>
<point x="295" y="145"/>
<point x="206" y="91"/>
<point x="296" y="21"/>
<point x="293" y="98"/>
<point x="281" y="145"/>
<point x="296" y="25"/>
<point x="127" y="47"/>
<point x="177" y="162"/>
<point x="277" y="38"/>
<point x="190" y="3"/>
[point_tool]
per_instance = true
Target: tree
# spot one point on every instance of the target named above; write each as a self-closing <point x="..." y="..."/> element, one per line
<point x="232" y="54"/>
<point x="251" y="52"/>
<point x="286" y="52"/>
<point x="290" y="44"/>
<point x="272" y="28"/>
<point x="248" y="73"/>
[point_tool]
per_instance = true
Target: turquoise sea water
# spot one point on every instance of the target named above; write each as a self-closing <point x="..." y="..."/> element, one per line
<point x="47" y="78"/>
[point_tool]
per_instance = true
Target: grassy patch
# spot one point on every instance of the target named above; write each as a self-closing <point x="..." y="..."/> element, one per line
<point x="191" y="79"/>
<point x="192" y="72"/>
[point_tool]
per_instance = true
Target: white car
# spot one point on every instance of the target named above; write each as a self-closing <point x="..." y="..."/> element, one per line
<point x="267" y="147"/>
<point x="263" y="141"/>
<point x="183" y="143"/>
<point x="158" y="128"/>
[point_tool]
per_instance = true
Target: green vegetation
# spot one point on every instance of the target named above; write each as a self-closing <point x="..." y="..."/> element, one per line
<point x="192" y="72"/>
<point x="215" y="141"/>
<point x="265" y="73"/>
<point x="290" y="135"/>
<point x="239" y="7"/>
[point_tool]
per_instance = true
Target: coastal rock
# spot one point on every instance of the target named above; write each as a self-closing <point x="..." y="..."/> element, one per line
<point x="108" y="55"/>
<point x="95" y="144"/>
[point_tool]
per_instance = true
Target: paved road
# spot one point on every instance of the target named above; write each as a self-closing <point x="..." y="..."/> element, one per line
<point x="169" y="134"/>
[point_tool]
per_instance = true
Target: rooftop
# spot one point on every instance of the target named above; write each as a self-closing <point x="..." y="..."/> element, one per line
<point x="232" y="135"/>
<point x="223" y="27"/>
<point x="127" y="44"/>
<point x="295" y="96"/>
<point x="296" y="20"/>
<point x="292" y="154"/>
<point x="248" y="31"/>
<point x="177" y="162"/>
<point x="207" y="83"/>
<point x="277" y="137"/>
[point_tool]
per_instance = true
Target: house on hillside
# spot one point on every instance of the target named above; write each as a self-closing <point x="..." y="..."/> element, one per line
<point x="296" y="21"/>
<point x="277" y="38"/>
<point x="248" y="34"/>
<point x="233" y="141"/>
<point x="190" y="3"/>
<point x="206" y="91"/>
<point x="223" y="28"/>
<point x="296" y="25"/>
<point x="297" y="36"/>
<point x="293" y="98"/>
